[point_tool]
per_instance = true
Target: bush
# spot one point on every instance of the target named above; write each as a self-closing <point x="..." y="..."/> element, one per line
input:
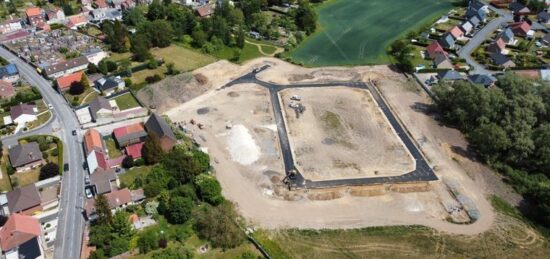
<point x="48" y="170"/>
<point x="179" y="210"/>
<point x="147" y="242"/>
<point x="128" y="162"/>
<point x="153" y="189"/>
<point x="139" y="162"/>
<point x="209" y="189"/>
<point x="76" y="88"/>
<point x="153" y="79"/>
<point x="217" y="224"/>
<point x="55" y="152"/>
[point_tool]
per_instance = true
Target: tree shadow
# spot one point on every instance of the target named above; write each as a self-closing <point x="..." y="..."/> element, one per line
<point x="466" y="153"/>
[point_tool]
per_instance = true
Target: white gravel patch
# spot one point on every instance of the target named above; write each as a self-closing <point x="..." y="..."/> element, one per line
<point x="241" y="146"/>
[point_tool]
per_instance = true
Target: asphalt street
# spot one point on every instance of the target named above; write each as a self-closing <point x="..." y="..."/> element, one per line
<point x="71" y="223"/>
<point x="422" y="172"/>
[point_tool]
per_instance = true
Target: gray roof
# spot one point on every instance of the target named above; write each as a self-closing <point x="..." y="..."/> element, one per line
<point x="499" y="59"/>
<point x="482" y="79"/>
<point x="440" y="58"/>
<point x="97" y="104"/>
<point x="102" y="179"/>
<point x="158" y="125"/>
<point x="449" y="75"/>
<point x="447" y="40"/>
<point x="543" y="16"/>
<point x="474" y="20"/>
<point x="72" y="63"/>
<point x="516" y="7"/>
<point x="20" y="109"/>
<point x="507" y="34"/>
<point x="108" y="83"/>
<point x="23" y="198"/>
<point x="23" y="154"/>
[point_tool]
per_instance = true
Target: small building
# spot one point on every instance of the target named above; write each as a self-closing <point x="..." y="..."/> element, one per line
<point x="25" y="157"/>
<point x="474" y="21"/>
<point x="117" y="200"/>
<point x="100" y="4"/>
<point x="10" y="25"/>
<point x="518" y="8"/>
<point x="66" y="67"/>
<point x="77" y="21"/>
<point x="204" y="11"/>
<point x="65" y="82"/>
<point x="457" y="32"/>
<point x="97" y="159"/>
<point x="9" y="73"/>
<point x="441" y="61"/>
<point x="109" y="85"/>
<point x="502" y="60"/>
<point x="21" y="237"/>
<point x="25" y="200"/>
<point x="106" y="14"/>
<point x="93" y="141"/>
<point x="130" y="134"/>
<point x="23" y="113"/>
<point x="95" y="55"/>
<point x="158" y="126"/>
<point x="55" y="15"/>
<point x="450" y="75"/>
<point x="6" y="90"/>
<point x="466" y="27"/>
<point x="104" y="181"/>
<point x="134" y="150"/>
<point x="100" y="108"/>
<point x="497" y="46"/>
<point x="34" y="15"/>
<point x="543" y="17"/>
<point x="507" y="35"/>
<point x="478" y="9"/>
<point x="521" y="28"/>
<point x="482" y="79"/>
<point x="447" y="41"/>
<point x="434" y="48"/>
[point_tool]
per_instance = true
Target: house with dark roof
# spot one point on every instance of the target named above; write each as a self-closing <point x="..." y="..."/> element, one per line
<point x="100" y="108"/>
<point x="9" y="73"/>
<point x="522" y="29"/>
<point x="502" y="60"/>
<point x="117" y="200"/>
<point x="109" y="85"/>
<point x="478" y="9"/>
<point x="130" y="134"/>
<point x="6" y="90"/>
<point x="543" y="17"/>
<point x="66" y="67"/>
<point x="104" y="181"/>
<point x="23" y="113"/>
<point x="450" y="75"/>
<point x="518" y="8"/>
<point x="474" y="21"/>
<point x="441" y="61"/>
<point x="21" y="237"/>
<point x="24" y="157"/>
<point x="447" y="41"/>
<point x="497" y="46"/>
<point x="482" y="79"/>
<point x="25" y="200"/>
<point x="507" y="35"/>
<point x="158" y="126"/>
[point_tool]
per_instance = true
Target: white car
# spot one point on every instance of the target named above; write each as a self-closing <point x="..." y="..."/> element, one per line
<point x="88" y="193"/>
<point x="50" y="106"/>
<point x="296" y="98"/>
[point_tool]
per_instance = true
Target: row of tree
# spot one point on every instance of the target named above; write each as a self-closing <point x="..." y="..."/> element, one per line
<point x="509" y="127"/>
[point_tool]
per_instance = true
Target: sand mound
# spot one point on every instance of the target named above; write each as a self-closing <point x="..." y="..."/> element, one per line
<point x="241" y="146"/>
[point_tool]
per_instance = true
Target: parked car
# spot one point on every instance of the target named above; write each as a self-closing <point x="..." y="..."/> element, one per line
<point x="50" y="106"/>
<point x="74" y="132"/>
<point x="87" y="179"/>
<point x="89" y="193"/>
<point x="66" y="167"/>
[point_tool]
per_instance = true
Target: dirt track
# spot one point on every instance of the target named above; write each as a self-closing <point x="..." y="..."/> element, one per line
<point x="254" y="188"/>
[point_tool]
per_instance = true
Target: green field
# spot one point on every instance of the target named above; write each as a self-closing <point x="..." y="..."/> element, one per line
<point x="354" y="32"/>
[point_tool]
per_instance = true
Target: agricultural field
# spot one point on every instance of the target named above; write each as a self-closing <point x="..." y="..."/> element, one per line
<point x="358" y="32"/>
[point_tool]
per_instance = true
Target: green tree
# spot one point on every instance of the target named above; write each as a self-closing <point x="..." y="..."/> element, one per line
<point x="48" y="170"/>
<point x="133" y="17"/>
<point x="199" y="38"/>
<point x="181" y="165"/>
<point x="104" y="215"/>
<point x="121" y="225"/>
<point x="156" y="11"/>
<point x="240" y="41"/>
<point x="147" y="241"/>
<point x="209" y="189"/>
<point x="306" y="18"/>
<point x="140" y="47"/>
<point x="152" y="150"/>
<point x="179" y="210"/>
<point x="217" y="224"/>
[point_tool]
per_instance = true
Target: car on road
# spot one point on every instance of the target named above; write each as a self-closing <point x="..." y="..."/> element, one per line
<point x="88" y="193"/>
<point x="50" y="106"/>
<point x="66" y="167"/>
<point x="74" y="132"/>
<point x="87" y="179"/>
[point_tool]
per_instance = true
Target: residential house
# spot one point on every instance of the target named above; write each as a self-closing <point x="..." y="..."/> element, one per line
<point x="23" y="113"/>
<point x="97" y="159"/>
<point x="205" y="10"/>
<point x="117" y="3"/>
<point x="130" y="134"/>
<point x="100" y="4"/>
<point x="450" y="75"/>
<point x="6" y="90"/>
<point x="34" y="15"/>
<point x="447" y="41"/>
<point x="93" y="141"/>
<point x="109" y="85"/>
<point x="522" y="29"/>
<point x="106" y="14"/>
<point x="466" y="27"/>
<point x="457" y="32"/>
<point x="104" y="181"/>
<point x="55" y="15"/>
<point x="66" y="67"/>
<point x="507" y="35"/>
<point x="21" y="237"/>
<point x="116" y="199"/>
<point x="434" y="48"/>
<point x="497" y="46"/>
<point x="94" y="55"/>
<point x="441" y="61"/>
<point x="482" y="79"/>
<point x="9" y="73"/>
<point x="137" y="195"/>
<point x="65" y="82"/>
<point x="24" y="157"/>
<point x="76" y="21"/>
<point x="158" y="126"/>
<point x="544" y="17"/>
<point x="100" y="108"/>
<point x="25" y="200"/>
<point x="518" y="8"/>
<point x="502" y="60"/>
<point x="127" y="4"/>
<point x="10" y="25"/>
<point x="477" y="9"/>
<point x="134" y="150"/>
<point x="474" y="20"/>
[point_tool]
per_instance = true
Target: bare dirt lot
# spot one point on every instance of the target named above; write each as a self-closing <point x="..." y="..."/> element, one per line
<point x="248" y="165"/>
<point x="341" y="135"/>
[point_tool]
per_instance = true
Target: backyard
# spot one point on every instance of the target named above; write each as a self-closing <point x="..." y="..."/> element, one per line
<point x="184" y="59"/>
<point x="112" y="148"/>
<point x="359" y="32"/>
<point x="127" y="178"/>
<point x="126" y="101"/>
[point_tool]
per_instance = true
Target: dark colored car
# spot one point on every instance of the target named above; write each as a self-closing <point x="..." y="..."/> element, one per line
<point x="66" y="167"/>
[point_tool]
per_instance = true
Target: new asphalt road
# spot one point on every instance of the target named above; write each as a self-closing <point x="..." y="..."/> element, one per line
<point x="71" y="223"/>
<point x="422" y="172"/>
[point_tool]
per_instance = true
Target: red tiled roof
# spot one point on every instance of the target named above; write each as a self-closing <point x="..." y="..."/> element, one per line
<point x="204" y="10"/>
<point x="101" y="4"/>
<point x="123" y="131"/>
<point x="434" y="48"/>
<point x="520" y="27"/>
<point x="119" y="198"/>
<point x="32" y="11"/>
<point x="92" y="140"/>
<point x="66" y="81"/>
<point x="456" y="32"/>
<point x="101" y="160"/>
<point x="134" y="150"/>
<point x="6" y="89"/>
<point x="18" y="230"/>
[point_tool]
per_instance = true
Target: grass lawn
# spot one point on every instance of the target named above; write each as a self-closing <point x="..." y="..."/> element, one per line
<point x="358" y="32"/>
<point x="43" y="117"/>
<point x="126" y="101"/>
<point x="86" y="97"/>
<point x="25" y="178"/>
<point x="112" y="148"/>
<point x="184" y="59"/>
<point x="129" y="176"/>
<point x="120" y="56"/>
<point x="139" y="77"/>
